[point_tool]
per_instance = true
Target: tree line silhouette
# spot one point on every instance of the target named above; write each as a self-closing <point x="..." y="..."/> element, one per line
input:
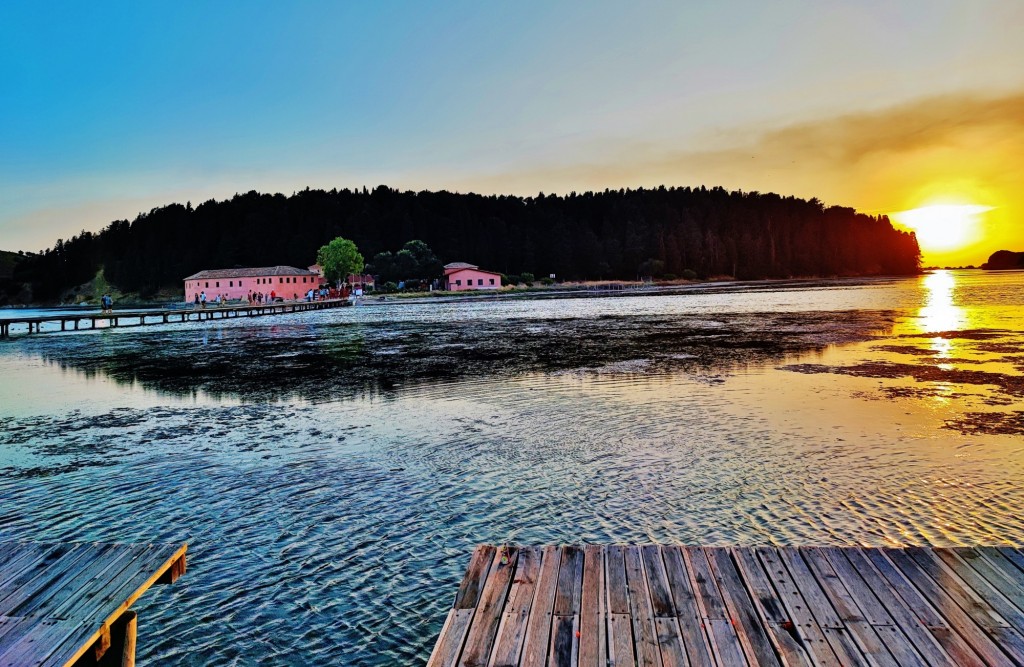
<point x="614" y="234"/>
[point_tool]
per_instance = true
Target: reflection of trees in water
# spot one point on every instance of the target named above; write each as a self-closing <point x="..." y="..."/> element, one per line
<point x="345" y="360"/>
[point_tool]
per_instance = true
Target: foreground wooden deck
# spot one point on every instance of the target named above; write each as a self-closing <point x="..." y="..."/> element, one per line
<point x="137" y="318"/>
<point x="668" y="606"/>
<point x="67" y="604"/>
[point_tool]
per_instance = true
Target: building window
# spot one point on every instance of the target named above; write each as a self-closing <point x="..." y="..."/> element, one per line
<point x="280" y="280"/>
<point x="479" y="281"/>
<point x="207" y="284"/>
<point x="492" y="281"/>
<point x="231" y="283"/>
<point x="459" y="282"/>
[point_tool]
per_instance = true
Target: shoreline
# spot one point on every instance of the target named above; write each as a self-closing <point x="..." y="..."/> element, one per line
<point x="564" y="290"/>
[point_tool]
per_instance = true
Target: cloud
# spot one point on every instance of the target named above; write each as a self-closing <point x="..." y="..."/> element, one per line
<point x="921" y="124"/>
<point x="836" y="158"/>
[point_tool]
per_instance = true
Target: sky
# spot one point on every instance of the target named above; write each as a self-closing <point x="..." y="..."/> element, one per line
<point x="113" y="108"/>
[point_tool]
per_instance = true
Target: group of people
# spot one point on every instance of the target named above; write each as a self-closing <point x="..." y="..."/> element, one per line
<point x="107" y="304"/>
<point x="201" y="299"/>
<point x="259" y="298"/>
<point x="324" y="292"/>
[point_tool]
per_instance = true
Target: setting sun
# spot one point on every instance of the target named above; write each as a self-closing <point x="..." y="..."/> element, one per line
<point x="943" y="226"/>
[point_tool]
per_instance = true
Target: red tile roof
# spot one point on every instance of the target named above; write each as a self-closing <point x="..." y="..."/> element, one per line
<point x="257" y="272"/>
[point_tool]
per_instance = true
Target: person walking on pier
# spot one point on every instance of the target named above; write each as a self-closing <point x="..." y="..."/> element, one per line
<point x="202" y="299"/>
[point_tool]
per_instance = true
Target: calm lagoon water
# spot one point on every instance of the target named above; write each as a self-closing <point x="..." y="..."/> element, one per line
<point x="332" y="471"/>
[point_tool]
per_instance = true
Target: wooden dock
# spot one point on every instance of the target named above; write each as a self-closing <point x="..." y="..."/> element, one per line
<point x="669" y="606"/>
<point x="67" y="604"/>
<point x="77" y="322"/>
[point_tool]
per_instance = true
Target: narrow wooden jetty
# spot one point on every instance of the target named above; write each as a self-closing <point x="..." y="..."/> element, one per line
<point x="135" y="318"/>
<point x="669" y="606"/>
<point x="67" y="604"/>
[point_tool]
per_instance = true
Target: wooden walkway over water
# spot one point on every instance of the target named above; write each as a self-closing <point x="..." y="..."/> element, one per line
<point x="78" y="321"/>
<point x="668" y="606"/>
<point x="67" y="604"/>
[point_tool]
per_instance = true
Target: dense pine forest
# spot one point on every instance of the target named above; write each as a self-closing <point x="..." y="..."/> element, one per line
<point x="615" y="234"/>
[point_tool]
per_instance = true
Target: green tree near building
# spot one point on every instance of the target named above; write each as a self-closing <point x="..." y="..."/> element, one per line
<point x="338" y="259"/>
<point x="414" y="261"/>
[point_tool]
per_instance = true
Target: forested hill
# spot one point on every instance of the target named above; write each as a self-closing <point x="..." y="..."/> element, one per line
<point x="615" y="234"/>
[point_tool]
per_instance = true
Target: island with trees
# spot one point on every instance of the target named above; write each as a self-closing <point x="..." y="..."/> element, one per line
<point x="615" y="234"/>
<point x="1004" y="260"/>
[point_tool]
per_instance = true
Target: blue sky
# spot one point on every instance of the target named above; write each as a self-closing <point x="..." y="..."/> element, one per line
<point x="112" y="108"/>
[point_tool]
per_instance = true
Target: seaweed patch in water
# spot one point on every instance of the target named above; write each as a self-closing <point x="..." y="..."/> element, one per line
<point x="347" y="360"/>
<point x="988" y="423"/>
<point x="968" y="334"/>
<point x="1010" y="384"/>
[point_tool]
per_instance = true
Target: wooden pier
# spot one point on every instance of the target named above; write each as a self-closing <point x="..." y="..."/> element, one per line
<point x="67" y="604"/>
<point x="669" y="606"/>
<point x="77" y="322"/>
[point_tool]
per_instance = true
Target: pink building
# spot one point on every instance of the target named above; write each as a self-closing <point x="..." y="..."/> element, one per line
<point x="284" y="281"/>
<point x="459" y="276"/>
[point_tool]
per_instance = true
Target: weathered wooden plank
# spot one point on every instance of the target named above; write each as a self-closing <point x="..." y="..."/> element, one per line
<point x="910" y="609"/>
<point x="615" y="570"/>
<point x="900" y="645"/>
<point x="657" y="581"/>
<point x="644" y="633"/>
<point x="11" y="551"/>
<point x="32" y="648"/>
<point x="946" y="580"/>
<point x="473" y="581"/>
<point x="82" y="581"/>
<point x="749" y="628"/>
<point x="834" y="630"/>
<point x="30" y="567"/>
<point x="724" y="640"/>
<point x="871" y="645"/>
<point x="453" y="635"/>
<point x="691" y="624"/>
<point x="593" y="613"/>
<point x="538" y="629"/>
<point x="998" y="597"/>
<point x="999" y="563"/>
<point x="958" y="620"/>
<point x="484" y="626"/>
<point x="771" y="610"/>
<point x="570" y="582"/>
<point x="512" y="631"/>
<point x="670" y="642"/>
<point x="20" y="567"/>
<point x="41" y="580"/>
<point x="620" y="640"/>
<point x="564" y="645"/>
<point x="1015" y="556"/>
<point x="807" y="628"/>
<point x="114" y="596"/>
<point x="71" y="605"/>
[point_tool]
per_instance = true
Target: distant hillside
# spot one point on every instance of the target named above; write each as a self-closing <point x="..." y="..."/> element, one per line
<point x="1003" y="260"/>
<point x="596" y="235"/>
<point x="7" y="262"/>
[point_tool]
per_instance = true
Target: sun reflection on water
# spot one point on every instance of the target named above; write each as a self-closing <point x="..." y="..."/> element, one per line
<point x="940" y="312"/>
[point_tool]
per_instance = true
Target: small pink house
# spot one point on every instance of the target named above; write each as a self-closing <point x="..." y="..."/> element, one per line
<point x="460" y="276"/>
<point x="284" y="281"/>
